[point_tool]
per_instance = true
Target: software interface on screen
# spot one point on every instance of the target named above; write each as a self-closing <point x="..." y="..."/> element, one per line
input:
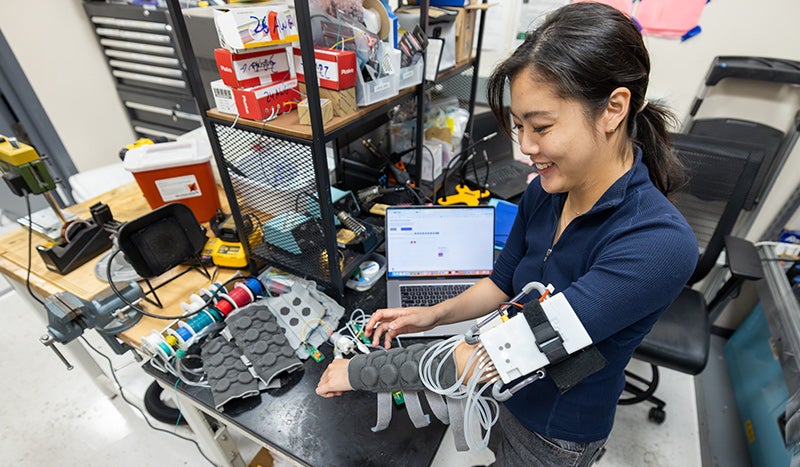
<point x="440" y="242"/>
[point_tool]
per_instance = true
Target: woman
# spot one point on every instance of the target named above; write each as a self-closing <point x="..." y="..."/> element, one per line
<point x="596" y="223"/>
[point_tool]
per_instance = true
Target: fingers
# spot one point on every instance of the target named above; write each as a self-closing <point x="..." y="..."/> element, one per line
<point x="384" y="314"/>
<point x="334" y="380"/>
<point x="386" y="330"/>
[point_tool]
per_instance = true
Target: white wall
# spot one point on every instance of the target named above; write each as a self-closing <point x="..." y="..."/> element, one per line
<point x="56" y="48"/>
<point x="730" y="27"/>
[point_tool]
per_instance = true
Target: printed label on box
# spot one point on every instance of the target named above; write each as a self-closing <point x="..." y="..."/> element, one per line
<point x="223" y="97"/>
<point x="177" y="188"/>
<point x="252" y="69"/>
<point x="246" y="28"/>
<point x="265" y="101"/>
<point x="336" y="69"/>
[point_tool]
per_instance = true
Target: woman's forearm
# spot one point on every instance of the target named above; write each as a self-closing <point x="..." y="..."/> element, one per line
<point x="475" y="302"/>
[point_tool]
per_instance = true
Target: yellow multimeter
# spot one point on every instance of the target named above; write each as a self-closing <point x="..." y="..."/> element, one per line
<point x="225" y="254"/>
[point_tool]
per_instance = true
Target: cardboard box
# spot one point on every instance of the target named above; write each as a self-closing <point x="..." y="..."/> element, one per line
<point x="305" y="116"/>
<point x="256" y="68"/>
<point x="343" y="102"/>
<point x="261" y="102"/>
<point x="240" y="29"/>
<point x="223" y="97"/>
<point x="336" y="69"/>
<point x="465" y="32"/>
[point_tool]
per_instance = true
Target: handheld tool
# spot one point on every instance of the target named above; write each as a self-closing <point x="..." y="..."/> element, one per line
<point x="25" y="172"/>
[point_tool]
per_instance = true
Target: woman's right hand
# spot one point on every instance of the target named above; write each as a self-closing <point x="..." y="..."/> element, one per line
<point x="392" y="322"/>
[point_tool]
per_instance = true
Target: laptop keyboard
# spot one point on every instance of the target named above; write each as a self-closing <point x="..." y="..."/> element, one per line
<point x="426" y="295"/>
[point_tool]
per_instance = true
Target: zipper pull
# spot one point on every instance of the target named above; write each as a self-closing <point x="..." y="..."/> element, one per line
<point x="547" y="255"/>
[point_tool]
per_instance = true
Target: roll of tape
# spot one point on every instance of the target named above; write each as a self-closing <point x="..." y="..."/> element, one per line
<point x="372" y="19"/>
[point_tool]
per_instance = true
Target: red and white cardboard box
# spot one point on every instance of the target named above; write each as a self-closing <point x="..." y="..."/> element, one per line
<point x="245" y="28"/>
<point x="265" y="66"/>
<point x="261" y="102"/>
<point x="336" y="69"/>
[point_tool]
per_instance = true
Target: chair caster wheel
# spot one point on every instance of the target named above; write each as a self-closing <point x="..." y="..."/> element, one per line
<point x="657" y="415"/>
<point x="600" y="453"/>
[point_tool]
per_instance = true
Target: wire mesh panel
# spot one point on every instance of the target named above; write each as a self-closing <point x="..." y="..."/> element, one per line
<point x="274" y="183"/>
<point x="458" y="85"/>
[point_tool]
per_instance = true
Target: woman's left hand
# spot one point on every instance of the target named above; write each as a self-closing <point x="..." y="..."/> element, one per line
<point x="335" y="379"/>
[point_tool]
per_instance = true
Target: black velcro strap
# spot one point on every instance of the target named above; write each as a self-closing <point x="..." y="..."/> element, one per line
<point x="547" y="339"/>
<point x="571" y="371"/>
<point x="566" y="370"/>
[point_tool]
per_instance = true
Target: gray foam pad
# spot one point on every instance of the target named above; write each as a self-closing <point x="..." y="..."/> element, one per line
<point x="227" y="374"/>
<point x="395" y="369"/>
<point x="256" y="332"/>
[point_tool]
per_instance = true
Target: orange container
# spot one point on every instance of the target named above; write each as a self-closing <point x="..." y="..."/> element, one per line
<point x="175" y="172"/>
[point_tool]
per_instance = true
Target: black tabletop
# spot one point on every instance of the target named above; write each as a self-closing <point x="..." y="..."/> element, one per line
<point x="327" y="432"/>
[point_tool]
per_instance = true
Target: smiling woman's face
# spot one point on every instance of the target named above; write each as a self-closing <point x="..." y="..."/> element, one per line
<point x="556" y="135"/>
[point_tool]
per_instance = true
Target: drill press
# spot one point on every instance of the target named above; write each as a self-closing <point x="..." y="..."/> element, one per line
<point x="25" y="172"/>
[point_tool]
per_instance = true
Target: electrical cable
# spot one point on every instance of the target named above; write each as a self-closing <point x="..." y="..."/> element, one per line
<point x="486" y="175"/>
<point x="474" y="168"/>
<point x="30" y="246"/>
<point x="125" y="398"/>
<point x="132" y="306"/>
<point x="433" y="171"/>
<point x="458" y="157"/>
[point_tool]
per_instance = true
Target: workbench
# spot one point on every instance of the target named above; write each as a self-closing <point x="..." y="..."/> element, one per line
<point x="291" y="422"/>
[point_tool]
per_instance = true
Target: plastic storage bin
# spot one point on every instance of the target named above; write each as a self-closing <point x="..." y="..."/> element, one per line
<point x="175" y="172"/>
<point x="382" y="88"/>
<point x="369" y="274"/>
<point x="411" y="75"/>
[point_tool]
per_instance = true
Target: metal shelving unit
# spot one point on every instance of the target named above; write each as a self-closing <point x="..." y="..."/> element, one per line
<point x="276" y="174"/>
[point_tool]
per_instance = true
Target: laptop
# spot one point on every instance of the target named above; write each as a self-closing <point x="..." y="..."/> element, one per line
<point x="434" y="253"/>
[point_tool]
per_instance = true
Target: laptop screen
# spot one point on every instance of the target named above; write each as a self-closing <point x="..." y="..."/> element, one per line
<point x="451" y="241"/>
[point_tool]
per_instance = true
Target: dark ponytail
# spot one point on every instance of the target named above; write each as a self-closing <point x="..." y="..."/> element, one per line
<point x="586" y="50"/>
<point x="650" y="131"/>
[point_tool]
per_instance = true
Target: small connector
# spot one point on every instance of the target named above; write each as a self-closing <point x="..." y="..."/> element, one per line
<point x="398" y="398"/>
<point x="314" y="352"/>
<point x="342" y="344"/>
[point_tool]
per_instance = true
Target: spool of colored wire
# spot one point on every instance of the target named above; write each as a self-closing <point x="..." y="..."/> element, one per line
<point x="199" y="321"/>
<point x="225" y="304"/>
<point x="165" y="348"/>
<point x="218" y="316"/>
<point x="184" y="333"/>
<point x="241" y="294"/>
<point x="254" y="285"/>
<point x="153" y="344"/>
<point x="171" y="340"/>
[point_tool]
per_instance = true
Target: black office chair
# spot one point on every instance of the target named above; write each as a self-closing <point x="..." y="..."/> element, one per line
<point x="720" y="175"/>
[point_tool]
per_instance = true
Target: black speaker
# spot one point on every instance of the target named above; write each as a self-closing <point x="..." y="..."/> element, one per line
<point x="162" y="239"/>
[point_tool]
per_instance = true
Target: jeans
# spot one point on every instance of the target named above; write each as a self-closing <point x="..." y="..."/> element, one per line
<point x="516" y="446"/>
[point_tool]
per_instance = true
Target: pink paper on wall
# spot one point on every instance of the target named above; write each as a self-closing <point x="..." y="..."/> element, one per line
<point x="625" y="6"/>
<point x="670" y="18"/>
